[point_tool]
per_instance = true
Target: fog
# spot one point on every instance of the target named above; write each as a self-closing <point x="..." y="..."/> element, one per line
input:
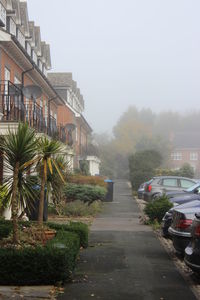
<point x="132" y="52"/>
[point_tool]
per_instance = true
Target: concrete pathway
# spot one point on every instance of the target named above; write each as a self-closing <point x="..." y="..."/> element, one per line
<point x="125" y="261"/>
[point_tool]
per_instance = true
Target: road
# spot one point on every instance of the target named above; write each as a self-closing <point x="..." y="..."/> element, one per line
<point x="125" y="261"/>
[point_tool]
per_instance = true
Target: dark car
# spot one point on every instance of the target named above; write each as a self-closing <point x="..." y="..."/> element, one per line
<point x="180" y="229"/>
<point x="192" y="251"/>
<point x="167" y="219"/>
<point x="141" y="189"/>
<point x="184" y="199"/>
<point x="193" y="190"/>
<point x="163" y="184"/>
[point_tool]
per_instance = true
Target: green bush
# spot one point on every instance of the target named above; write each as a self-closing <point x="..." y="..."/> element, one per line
<point x="42" y="265"/>
<point x="156" y="209"/>
<point x="85" y="193"/>
<point x="3" y="196"/>
<point x="80" y="209"/>
<point x="185" y="171"/>
<point x="79" y="228"/>
<point x="5" y="230"/>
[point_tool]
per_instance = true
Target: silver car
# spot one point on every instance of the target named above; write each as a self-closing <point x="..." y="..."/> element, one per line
<point x="163" y="184"/>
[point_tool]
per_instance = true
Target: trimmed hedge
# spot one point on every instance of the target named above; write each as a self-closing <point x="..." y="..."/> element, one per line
<point x="156" y="209"/>
<point x="80" y="228"/>
<point x="88" y="180"/>
<point x="85" y="193"/>
<point x="42" y="265"/>
<point x="5" y="228"/>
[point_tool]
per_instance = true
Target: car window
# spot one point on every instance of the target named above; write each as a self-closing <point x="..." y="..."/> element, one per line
<point x="170" y="182"/>
<point x="193" y="187"/>
<point x="186" y="183"/>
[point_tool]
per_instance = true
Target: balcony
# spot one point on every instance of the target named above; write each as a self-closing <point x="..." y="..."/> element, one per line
<point x="14" y="110"/>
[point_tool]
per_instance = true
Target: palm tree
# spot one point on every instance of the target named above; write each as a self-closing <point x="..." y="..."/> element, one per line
<point x="47" y="150"/>
<point x="19" y="150"/>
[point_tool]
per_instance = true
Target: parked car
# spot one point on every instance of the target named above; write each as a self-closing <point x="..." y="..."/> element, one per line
<point x="141" y="189"/>
<point x="167" y="219"/>
<point x="180" y="229"/>
<point x="163" y="184"/>
<point x="193" y="190"/>
<point x="192" y="251"/>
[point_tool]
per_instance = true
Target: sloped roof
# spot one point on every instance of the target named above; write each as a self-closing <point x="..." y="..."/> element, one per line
<point x="60" y="79"/>
<point x="32" y="32"/>
<point x="38" y="40"/>
<point x="24" y="18"/>
<point x="16" y="7"/>
<point x="186" y="140"/>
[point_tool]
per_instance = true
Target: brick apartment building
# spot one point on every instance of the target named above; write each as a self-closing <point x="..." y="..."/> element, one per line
<point x="25" y="60"/>
<point x="72" y="112"/>
<point x="186" y="149"/>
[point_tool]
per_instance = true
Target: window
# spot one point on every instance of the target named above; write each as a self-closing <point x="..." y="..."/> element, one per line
<point x="170" y="182"/>
<point x="6" y="74"/>
<point x="55" y="117"/>
<point x="41" y="102"/>
<point x="16" y="80"/>
<point x="176" y="156"/>
<point x="193" y="156"/>
<point x="17" y="100"/>
<point x="186" y="183"/>
<point x="46" y="113"/>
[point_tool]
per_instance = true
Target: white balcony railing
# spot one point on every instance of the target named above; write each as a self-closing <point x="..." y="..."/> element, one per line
<point x="11" y="26"/>
<point x="2" y="15"/>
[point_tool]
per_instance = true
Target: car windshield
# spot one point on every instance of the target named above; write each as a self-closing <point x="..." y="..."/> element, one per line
<point x="193" y="187"/>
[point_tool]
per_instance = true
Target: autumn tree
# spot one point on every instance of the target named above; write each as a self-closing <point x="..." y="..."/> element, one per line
<point x="142" y="166"/>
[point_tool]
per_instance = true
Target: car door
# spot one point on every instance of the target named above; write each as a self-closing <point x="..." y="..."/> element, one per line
<point x="186" y="183"/>
<point x="170" y="184"/>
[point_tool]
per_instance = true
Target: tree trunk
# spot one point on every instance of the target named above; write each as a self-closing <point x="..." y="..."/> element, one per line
<point x="14" y="205"/>
<point x="41" y="204"/>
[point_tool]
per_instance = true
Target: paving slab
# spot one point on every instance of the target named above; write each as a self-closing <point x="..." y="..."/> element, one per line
<point x="125" y="260"/>
<point x="26" y="292"/>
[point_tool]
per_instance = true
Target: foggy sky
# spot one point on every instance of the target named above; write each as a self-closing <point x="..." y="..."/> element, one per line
<point x="125" y="52"/>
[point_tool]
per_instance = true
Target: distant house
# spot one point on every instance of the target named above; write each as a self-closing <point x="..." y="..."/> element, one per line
<point x="186" y="149"/>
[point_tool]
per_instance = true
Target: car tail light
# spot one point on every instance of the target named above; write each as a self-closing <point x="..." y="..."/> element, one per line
<point x="197" y="231"/>
<point x="183" y="224"/>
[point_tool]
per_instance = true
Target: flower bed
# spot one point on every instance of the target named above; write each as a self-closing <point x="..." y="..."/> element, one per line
<point x="35" y="263"/>
<point x="40" y="265"/>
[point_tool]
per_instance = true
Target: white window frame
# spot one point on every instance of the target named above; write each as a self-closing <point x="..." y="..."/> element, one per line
<point x="193" y="155"/>
<point x="176" y="155"/>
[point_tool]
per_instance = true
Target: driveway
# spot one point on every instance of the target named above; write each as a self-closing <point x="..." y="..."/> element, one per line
<point x="125" y="261"/>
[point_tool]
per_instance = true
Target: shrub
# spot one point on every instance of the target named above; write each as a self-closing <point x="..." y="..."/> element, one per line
<point x="156" y="209"/>
<point x="42" y="265"/>
<point x="5" y="230"/>
<point x="79" y="209"/>
<point x="185" y="171"/>
<point x="89" y="180"/>
<point x="79" y="228"/>
<point x="85" y="193"/>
